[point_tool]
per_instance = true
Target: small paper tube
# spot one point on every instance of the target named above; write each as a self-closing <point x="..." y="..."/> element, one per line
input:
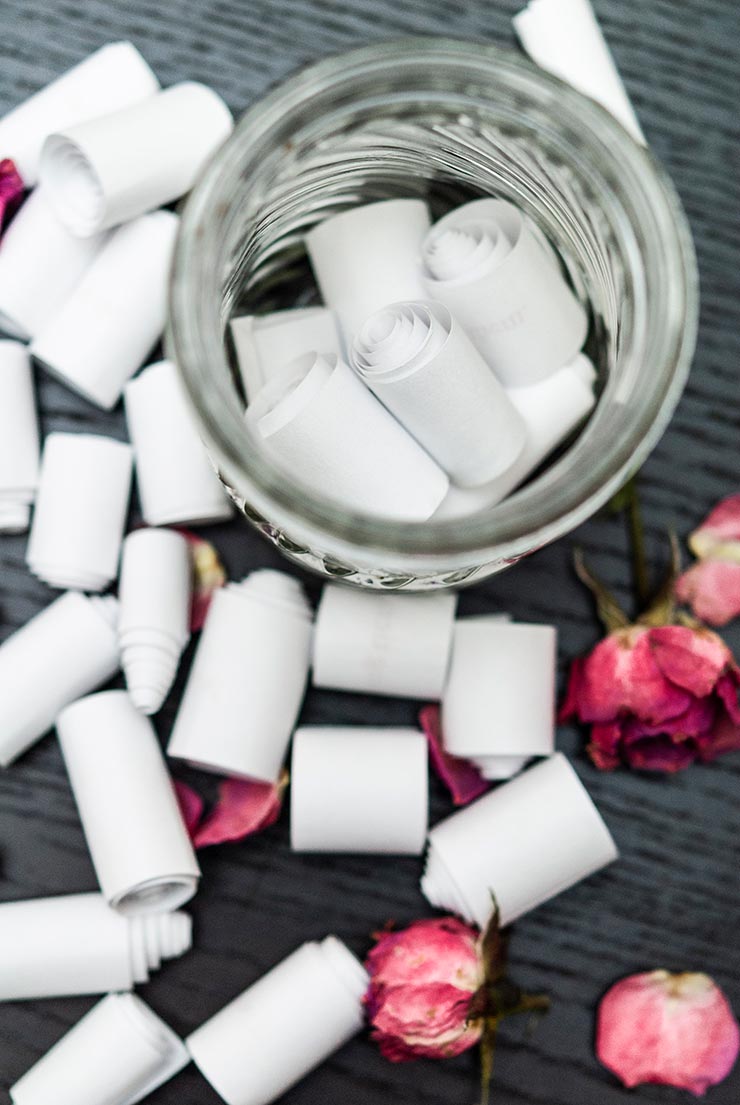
<point x="356" y="789"/>
<point x="265" y="344"/>
<point x="487" y="264"/>
<point x="422" y="366"/>
<point x="111" y="78"/>
<point x="283" y="1026"/>
<point x="369" y="256"/>
<point x="175" y="479"/>
<point x="134" y="829"/>
<point x="523" y="842"/>
<point x="118" y="1054"/>
<point x="77" y="944"/>
<point x="107" y="170"/>
<point x="248" y="678"/>
<point x="500" y="693"/>
<point x="153" y="628"/>
<point x="80" y="511"/>
<point x="324" y="427"/>
<point x="19" y="438"/>
<point x="551" y="410"/>
<point x="497" y="768"/>
<point x="41" y="263"/>
<point x="115" y="315"/>
<point x="383" y="644"/>
<point x="564" y="37"/>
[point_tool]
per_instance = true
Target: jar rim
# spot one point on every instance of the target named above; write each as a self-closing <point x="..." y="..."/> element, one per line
<point x="531" y="517"/>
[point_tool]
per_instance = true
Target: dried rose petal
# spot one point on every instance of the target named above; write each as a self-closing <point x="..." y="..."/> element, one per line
<point x="11" y="190"/>
<point x="719" y="533"/>
<point x="671" y="1029"/>
<point x="243" y="808"/>
<point x="191" y="806"/>
<point x="462" y="778"/>
<point x="712" y="589"/>
<point x="208" y="575"/>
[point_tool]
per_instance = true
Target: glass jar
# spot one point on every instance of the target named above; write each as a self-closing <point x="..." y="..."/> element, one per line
<point x="448" y="120"/>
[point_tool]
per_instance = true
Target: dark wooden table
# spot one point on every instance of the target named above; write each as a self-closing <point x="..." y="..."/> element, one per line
<point x="673" y="900"/>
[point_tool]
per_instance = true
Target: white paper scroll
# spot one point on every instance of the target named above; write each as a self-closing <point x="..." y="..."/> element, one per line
<point x="524" y="842"/>
<point x="111" y="78"/>
<point x="358" y="789"/>
<point x="248" y="678"/>
<point x="283" y="1026"/>
<point x="41" y="263"/>
<point x="265" y="344"/>
<point x="19" y="438"/>
<point x="107" y="170"/>
<point x="500" y="693"/>
<point x="134" y="829"/>
<point x="369" y="256"/>
<point x="422" y="366"/>
<point x="67" y="650"/>
<point x="323" y="426"/>
<point x="176" y="481"/>
<point x="118" y="1054"/>
<point x="564" y="37"/>
<point x="104" y="330"/>
<point x="383" y="644"/>
<point x="490" y="267"/>
<point x="77" y="944"/>
<point x="80" y="512"/>
<point x="153" y="628"/>
<point x="551" y="411"/>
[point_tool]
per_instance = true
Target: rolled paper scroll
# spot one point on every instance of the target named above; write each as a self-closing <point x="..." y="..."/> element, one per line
<point x="551" y="411"/>
<point x="41" y="263"/>
<point x="500" y="694"/>
<point x="77" y="944"/>
<point x="356" y="789"/>
<point x="422" y="366"/>
<point x="80" y="512"/>
<point x="118" y="1054"/>
<point x="284" y="1025"/>
<point x="115" y="316"/>
<point x="134" y="829"/>
<point x="325" y="428"/>
<point x="174" y="476"/>
<point x="564" y="37"/>
<point x="248" y="678"/>
<point x="19" y="438"/>
<point x="104" y="171"/>
<point x="265" y="344"/>
<point x="523" y="842"/>
<point x="369" y="256"/>
<point x="383" y="644"/>
<point x="67" y="650"/>
<point x="153" y="627"/>
<point x="491" y="268"/>
<point x="111" y="78"/>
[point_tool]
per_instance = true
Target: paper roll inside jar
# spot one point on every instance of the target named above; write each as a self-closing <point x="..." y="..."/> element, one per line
<point x="119" y="1053"/>
<point x="325" y="429"/>
<point x="138" y="842"/>
<point x="283" y="1026"/>
<point x="418" y="361"/>
<point x="265" y="344"/>
<point x="524" y="842"/>
<point x="383" y="644"/>
<point x="500" y="279"/>
<point x="358" y="789"/>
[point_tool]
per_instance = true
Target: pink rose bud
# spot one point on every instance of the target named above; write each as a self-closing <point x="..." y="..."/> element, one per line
<point x="422" y="980"/>
<point x="712" y="586"/>
<point x="673" y="1029"/>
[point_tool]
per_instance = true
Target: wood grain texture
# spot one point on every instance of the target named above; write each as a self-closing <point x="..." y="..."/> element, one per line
<point x="674" y="899"/>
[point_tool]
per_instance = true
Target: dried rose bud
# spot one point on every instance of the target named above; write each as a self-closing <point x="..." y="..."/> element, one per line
<point x="673" y="1029"/>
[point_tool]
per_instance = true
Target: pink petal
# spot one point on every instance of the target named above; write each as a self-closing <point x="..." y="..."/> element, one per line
<point x="712" y="589"/>
<point x="693" y="659"/>
<point x="721" y="525"/>
<point x="462" y="779"/>
<point x="727" y="691"/>
<point x="11" y="190"/>
<point x="671" y="1029"/>
<point x="244" y="807"/>
<point x="208" y="575"/>
<point x="191" y="806"/>
<point x="605" y="745"/>
<point x="570" y="705"/>
<point x="724" y="737"/>
<point x="661" y="753"/>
